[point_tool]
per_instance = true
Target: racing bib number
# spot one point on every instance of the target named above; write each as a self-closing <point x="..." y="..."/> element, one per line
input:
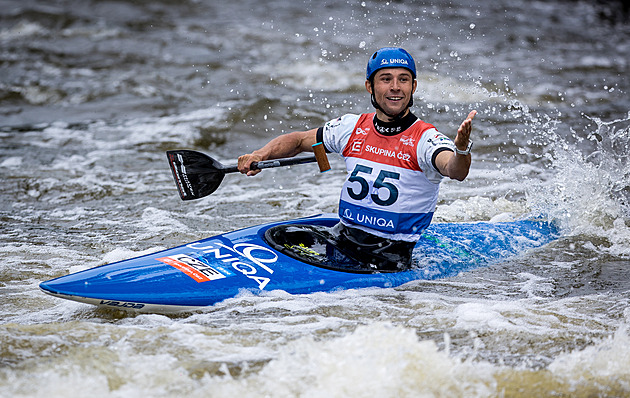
<point x="380" y="182"/>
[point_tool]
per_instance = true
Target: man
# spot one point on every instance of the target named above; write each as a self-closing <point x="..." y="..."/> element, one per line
<point x="395" y="163"/>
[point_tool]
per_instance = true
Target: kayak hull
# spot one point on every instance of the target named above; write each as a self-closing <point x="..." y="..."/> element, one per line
<point x="205" y="272"/>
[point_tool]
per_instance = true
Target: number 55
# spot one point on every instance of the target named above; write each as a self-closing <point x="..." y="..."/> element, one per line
<point x="379" y="183"/>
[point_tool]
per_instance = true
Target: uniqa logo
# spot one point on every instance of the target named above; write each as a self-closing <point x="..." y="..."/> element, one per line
<point x="258" y="258"/>
<point x="366" y="220"/>
<point x="396" y="61"/>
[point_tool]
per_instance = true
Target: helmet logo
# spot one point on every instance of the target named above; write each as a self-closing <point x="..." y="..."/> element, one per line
<point x="394" y="61"/>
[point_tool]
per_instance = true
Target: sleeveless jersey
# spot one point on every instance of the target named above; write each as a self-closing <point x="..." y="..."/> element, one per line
<point x="388" y="191"/>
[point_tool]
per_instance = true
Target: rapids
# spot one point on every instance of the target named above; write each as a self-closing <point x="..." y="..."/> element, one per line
<point x="93" y="92"/>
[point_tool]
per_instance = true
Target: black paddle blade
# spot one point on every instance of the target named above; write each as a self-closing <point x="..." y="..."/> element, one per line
<point x="196" y="174"/>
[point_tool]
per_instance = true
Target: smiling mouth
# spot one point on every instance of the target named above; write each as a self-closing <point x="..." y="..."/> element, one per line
<point x="394" y="98"/>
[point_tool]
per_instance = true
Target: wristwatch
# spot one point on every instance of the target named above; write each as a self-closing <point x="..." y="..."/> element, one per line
<point x="467" y="151"/>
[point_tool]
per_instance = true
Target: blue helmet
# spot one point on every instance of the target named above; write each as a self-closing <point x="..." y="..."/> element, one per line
<point x="390" y="57"/>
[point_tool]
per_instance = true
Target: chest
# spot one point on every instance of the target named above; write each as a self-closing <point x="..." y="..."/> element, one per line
<point x="399" y="151"/>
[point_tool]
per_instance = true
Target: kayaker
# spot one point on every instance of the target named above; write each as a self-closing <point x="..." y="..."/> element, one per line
<point x="395" y="164"/>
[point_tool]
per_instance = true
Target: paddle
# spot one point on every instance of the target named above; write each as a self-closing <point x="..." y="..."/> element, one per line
<point x="197" y="174"/>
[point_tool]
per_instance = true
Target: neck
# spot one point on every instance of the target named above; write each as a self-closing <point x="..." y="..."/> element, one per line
<point x="397" y="126"/>
<point x="386" y="117"/>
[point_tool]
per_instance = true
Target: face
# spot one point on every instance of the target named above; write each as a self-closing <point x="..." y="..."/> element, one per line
<point x="393" y="88"/>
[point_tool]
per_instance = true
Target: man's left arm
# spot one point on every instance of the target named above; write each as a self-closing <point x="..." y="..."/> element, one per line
<point x="452" y="164"/>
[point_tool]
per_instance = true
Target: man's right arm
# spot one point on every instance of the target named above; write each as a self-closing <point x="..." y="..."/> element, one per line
<point x="283" y="146"/>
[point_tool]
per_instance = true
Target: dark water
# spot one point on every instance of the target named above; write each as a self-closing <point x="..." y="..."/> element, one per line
<point x="93" y="92"/>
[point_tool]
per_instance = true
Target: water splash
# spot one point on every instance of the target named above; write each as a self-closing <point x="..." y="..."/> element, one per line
<point x="589" y="193"/>
<point x="612" y="157"/>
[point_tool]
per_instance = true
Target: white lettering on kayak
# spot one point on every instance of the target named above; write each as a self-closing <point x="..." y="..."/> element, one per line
<point x="259" y="255"/>
<point x="247" y="249"/>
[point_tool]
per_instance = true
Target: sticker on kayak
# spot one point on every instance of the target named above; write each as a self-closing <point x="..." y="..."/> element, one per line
<point x="193" y="267"/>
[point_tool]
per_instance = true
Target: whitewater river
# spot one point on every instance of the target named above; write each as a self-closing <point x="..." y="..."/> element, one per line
<point x="93" y="92"/>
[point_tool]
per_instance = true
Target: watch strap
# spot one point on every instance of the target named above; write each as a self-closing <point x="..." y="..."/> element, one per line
<point x="465" y="152"/>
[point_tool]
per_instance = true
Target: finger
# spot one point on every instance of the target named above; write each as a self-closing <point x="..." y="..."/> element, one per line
<point x="252" y="172"/>
<point x="467" y="124"/>
<point x="245" y="163"/>
<point x="465" y="127"/>
<point x="242" y="164"/>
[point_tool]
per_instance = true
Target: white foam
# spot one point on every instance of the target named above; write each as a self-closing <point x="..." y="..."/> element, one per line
<point x="11" y="162"/>
<point x="478" y="208"/>
<point x="377" y="359"/>
<point x="606" y="363"/>
<point x="21" y="30"/>
<point x="314" y="75"/>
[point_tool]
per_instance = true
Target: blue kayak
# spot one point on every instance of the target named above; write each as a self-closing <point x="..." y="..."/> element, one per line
<point x="282" y="256"/>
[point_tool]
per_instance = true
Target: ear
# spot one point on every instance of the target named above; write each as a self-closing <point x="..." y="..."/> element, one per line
<point x="368" y="86"/>
<point x="415" y="85"/>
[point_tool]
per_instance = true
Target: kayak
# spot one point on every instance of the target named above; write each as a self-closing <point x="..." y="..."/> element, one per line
<point x="292" y="256"/>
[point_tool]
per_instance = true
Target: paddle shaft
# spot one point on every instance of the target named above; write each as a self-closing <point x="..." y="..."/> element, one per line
<point x="268" y="164"/>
